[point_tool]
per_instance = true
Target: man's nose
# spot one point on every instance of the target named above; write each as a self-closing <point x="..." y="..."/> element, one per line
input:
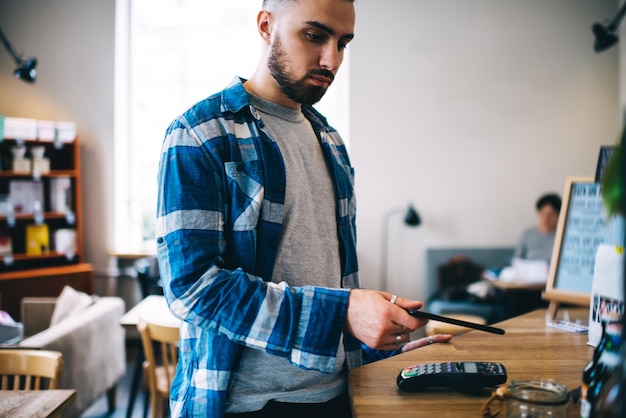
<point x="331" y="58"/>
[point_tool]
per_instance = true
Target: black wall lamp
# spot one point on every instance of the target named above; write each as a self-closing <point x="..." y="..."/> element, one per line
<point x="25" y="67"/>
<point x="411" y="218"/>
<point x="605" y="35"/>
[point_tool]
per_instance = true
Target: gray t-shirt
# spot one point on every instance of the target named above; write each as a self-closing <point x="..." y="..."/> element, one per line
<point x="308" y="255"/>
<point x="535" y="245"/>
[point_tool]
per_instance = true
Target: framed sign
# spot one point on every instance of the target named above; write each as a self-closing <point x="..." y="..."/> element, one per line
<point x="582" y="228"/>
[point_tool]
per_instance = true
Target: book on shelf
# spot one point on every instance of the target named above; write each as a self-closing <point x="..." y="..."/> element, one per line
<point x="65" y="241"/>
<point x="6" y="247"/>
<point x="26" y="196"/>
<point x="33" y="129"/>
<point x="19" y="128"/>
<point x="37" y="239"/>
<point x="61" y="194"/>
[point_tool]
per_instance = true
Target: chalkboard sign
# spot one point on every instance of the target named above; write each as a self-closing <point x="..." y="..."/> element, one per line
<point x="581" y="229"/>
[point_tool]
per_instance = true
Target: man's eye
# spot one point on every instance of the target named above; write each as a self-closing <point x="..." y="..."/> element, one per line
<point x="314" y="37"/>
<point x="342" y="46"/>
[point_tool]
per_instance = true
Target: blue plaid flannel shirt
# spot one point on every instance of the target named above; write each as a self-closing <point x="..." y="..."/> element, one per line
<point x="221" y="189"/>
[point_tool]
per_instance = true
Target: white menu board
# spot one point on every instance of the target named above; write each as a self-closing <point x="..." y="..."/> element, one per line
<point x="585" y="229"/>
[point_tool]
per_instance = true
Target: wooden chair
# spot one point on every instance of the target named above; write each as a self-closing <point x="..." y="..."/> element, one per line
<point x="160" y="364"/>
<point x="30" y="369"/>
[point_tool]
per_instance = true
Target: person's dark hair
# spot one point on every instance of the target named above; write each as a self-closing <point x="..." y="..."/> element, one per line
<point x="266" y="2"/>
<point x="551" y="199"/>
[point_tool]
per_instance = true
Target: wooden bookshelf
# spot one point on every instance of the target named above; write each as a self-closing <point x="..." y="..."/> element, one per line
<point x="24" y="273"/>
<point x="48" y="281"/>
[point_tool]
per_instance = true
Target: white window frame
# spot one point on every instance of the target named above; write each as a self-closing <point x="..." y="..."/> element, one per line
<point x="127" y="217"/>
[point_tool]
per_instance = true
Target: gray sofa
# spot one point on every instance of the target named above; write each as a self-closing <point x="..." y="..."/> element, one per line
<point x="92" y="344"/>
<point x="489" y="257"/>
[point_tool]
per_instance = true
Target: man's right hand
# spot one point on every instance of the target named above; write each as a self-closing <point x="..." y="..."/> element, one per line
<point x="377" y="322"/>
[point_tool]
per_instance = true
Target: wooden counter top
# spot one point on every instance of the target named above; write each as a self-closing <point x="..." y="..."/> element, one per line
<point x="528" y="350"/>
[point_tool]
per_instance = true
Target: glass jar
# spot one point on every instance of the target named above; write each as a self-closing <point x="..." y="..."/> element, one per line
<point x="537" y="399"/>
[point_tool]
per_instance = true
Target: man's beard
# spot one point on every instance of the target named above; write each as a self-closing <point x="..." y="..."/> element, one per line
<point x="296" y="90"/>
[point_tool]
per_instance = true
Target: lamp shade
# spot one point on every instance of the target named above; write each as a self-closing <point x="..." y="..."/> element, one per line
<point x="27" y="71"/>
<point x="411" y="217"/>
<point x="25" y="68"/>
<point x="604" y="38"/>
<point x="606" y="35"/>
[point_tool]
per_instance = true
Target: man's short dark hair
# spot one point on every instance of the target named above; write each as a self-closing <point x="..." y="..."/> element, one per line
<point x="551" y="199"/>
<point x="266" y="2"/>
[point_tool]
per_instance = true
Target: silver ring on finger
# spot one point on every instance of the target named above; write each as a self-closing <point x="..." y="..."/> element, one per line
<point x="398" y="339"/>
<point x="430" y="340"/>
<point x="393" y="299"/>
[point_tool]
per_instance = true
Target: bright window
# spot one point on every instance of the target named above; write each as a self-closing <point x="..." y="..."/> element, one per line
<point x="169" y="55"/>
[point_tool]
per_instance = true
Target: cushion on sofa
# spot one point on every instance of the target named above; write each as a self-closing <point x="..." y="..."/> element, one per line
<point x="69" y="303"/>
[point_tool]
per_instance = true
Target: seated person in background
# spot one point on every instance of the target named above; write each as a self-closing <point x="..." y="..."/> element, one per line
<point x="536" y="243"/>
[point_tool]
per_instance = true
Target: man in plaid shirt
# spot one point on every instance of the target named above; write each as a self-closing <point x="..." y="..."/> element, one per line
<point x="256" y="235"/>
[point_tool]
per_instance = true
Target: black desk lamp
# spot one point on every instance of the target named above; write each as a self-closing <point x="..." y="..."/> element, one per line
<point x="605" y="35"/>
<point x="411" y="218"/>
<point x="25" y="67"/>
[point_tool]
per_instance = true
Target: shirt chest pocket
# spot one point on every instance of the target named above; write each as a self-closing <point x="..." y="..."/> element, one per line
<point x="245" y="193"/>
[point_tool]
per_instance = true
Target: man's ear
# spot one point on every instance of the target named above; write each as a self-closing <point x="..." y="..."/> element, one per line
<point x="264" y="24"/>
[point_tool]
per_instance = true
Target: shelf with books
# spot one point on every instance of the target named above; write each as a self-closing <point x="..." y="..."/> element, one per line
<point x="31" y="217"/>
<point x="35" y="156"/>
<point x="27" y="257"/>
<point x="11" y="263"/>
<point x="41" y="225"/>
<point x="19" y="262"/>
<point x="51" y="173"/>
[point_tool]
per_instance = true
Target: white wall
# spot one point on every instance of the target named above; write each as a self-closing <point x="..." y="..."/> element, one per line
<point x="73" y="41"/>
<point x="470" y="109"/>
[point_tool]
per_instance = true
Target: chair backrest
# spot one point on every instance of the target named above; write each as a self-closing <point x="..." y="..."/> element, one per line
<point x="453" y="277"/>
<point x="160" y="345"/>
<point x="30" y="369"/>
<point x="490" y="257"/>
<point x="458" y="271"/>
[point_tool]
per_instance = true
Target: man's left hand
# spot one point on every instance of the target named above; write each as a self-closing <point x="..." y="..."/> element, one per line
<point x="437" y="338"/>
